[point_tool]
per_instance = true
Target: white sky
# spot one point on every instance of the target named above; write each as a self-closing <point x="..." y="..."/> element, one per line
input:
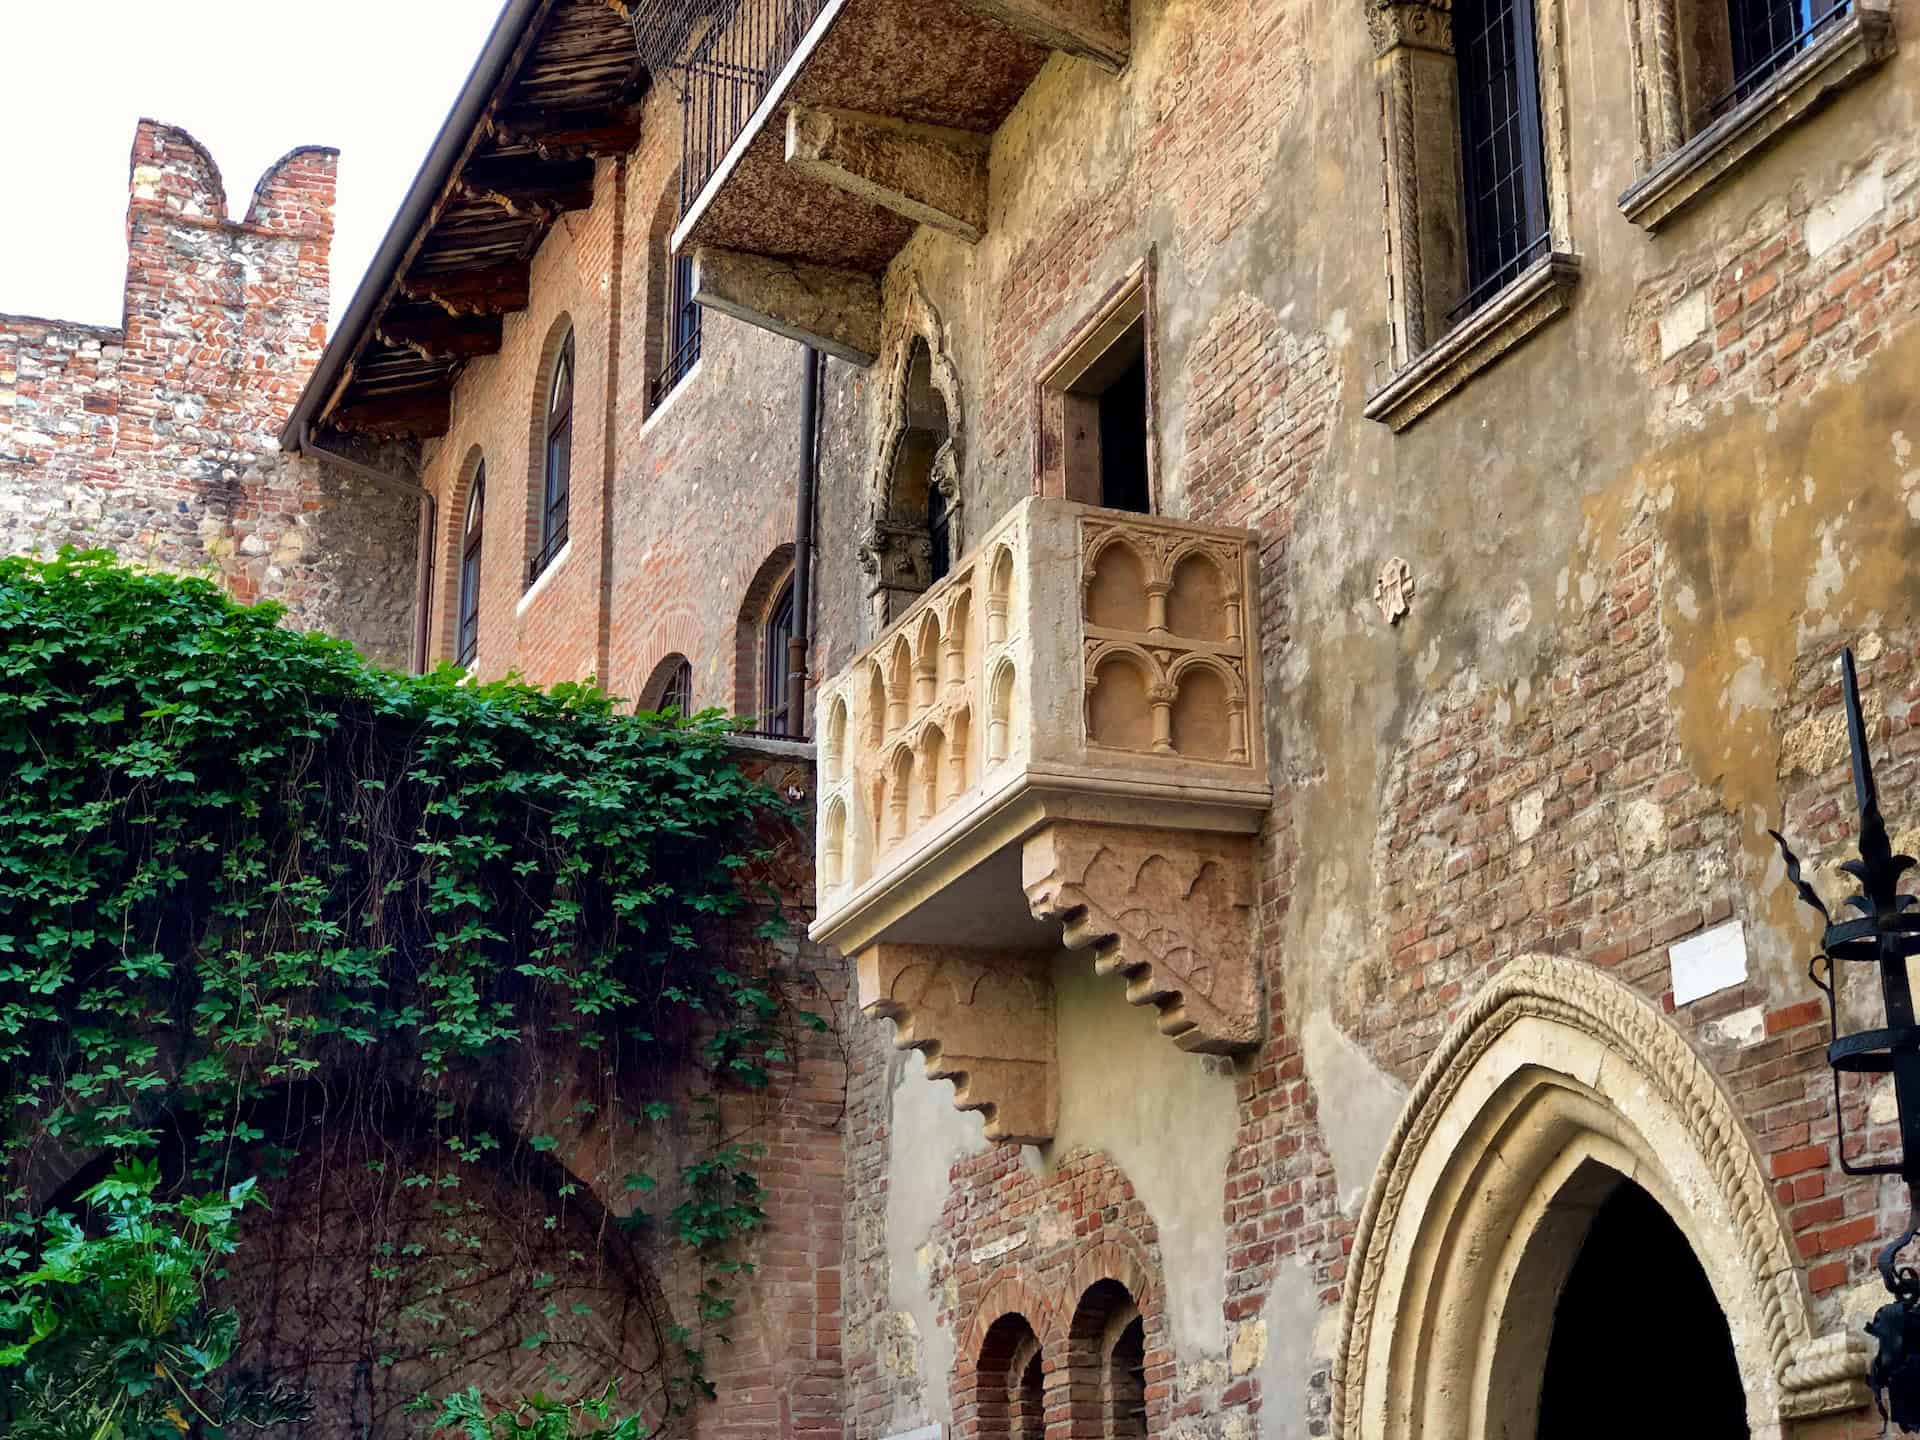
<point x="249" y="79"/>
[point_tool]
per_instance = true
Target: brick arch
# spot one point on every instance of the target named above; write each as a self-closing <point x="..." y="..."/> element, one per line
<point x="1112" y="1284"/>
<point x="1015" y="1319"/>
<point x="676" y="630"/>
<point x="755" y="605"/>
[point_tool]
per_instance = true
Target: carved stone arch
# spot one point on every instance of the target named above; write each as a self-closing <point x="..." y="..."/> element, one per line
<point x="920" y="409"/>
<point x="1554" y="1070"/>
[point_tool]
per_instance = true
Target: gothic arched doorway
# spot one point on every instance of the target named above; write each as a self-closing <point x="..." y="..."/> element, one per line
<point x="1636" y="1280"/>
<point x="1558" y="1089"/>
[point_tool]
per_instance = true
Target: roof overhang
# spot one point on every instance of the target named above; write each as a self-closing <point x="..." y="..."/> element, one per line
<point x="557" y="85"/>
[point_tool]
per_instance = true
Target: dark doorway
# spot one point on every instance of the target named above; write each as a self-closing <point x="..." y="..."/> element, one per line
<point x="1640" y="1345"/>
<point x="1123" y="437"/>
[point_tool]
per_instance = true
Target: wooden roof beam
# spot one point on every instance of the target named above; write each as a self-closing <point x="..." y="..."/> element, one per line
<point x="527" y="184"/>
<point x="495" y="290"/>
<point x="434" y="333"/>
<point x="596" y="130"/>
<point x="425" y="413"/>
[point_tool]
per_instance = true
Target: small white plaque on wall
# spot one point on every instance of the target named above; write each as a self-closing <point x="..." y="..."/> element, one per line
<point x="925" y="1432"/>
<point x="1707" y="963"/>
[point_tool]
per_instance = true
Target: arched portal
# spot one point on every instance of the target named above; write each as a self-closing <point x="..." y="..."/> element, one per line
<point x="1675" y="1321"/>
<point x="1558" y="1085"/>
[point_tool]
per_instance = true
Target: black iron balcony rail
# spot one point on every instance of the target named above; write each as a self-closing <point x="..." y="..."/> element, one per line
<point x="728" y="75"/>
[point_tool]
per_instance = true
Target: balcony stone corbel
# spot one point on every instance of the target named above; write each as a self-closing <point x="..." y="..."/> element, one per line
<point x="930" y="174"/>
<point x="983" y="1019"/>
<point x="835" y="311"/>
<point x="1169" y="909"/>
<point x="1089" y="29"/>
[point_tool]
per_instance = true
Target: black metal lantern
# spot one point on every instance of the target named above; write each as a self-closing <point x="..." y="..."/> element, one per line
<point x="1885" y="933"/>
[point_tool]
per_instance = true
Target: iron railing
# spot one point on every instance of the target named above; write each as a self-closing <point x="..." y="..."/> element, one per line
<point x="728" y="75"/>
<point x="1767" y="34"/>
<point x="549" y="551"/>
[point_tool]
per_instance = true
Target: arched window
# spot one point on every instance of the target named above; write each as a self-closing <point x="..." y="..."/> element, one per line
<point x="558" y="469"/>
<point x="777" y="665"/>
<point x="670" y="690"/>
<point x="472" y="531"/>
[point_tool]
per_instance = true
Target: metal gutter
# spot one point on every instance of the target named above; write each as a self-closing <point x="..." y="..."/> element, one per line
<point x="429" y="183"/>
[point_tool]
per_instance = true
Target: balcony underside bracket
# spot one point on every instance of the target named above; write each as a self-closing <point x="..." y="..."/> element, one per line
<point x="931" y="175"/>
<point x="836" y="311"/>
<point x="1170" y="910"/>
<point x="984" y="1019"/>
<point x="1090" y="29"/>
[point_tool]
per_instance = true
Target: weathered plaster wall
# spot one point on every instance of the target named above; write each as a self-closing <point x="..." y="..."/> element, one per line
<point x="1636" y="543"/>
<point x="159" y="439"/>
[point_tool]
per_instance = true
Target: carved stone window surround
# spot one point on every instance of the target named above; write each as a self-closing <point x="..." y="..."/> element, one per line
<point x="1690" y="168"/>
<point x="895" y="546"/>
<point x="1538" y="295"/>
<point x="1431" y="355"/>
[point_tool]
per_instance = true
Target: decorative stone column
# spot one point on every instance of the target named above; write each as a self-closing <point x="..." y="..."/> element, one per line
<point x="1420" y="107"/>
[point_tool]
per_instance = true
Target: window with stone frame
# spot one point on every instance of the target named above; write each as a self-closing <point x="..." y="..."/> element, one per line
<point x="1474" y="142"/>
<point x="1715" y="80"/>
<point x="1097" y="440"/>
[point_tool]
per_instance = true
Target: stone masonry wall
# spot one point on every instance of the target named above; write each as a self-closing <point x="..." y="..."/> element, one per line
<point x="159" y="439"/>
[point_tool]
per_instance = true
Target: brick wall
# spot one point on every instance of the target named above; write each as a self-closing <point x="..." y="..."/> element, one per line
<point x="160" y="438"/>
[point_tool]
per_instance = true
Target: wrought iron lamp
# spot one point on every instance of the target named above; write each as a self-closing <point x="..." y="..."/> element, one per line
<point x="1886" y="933"/>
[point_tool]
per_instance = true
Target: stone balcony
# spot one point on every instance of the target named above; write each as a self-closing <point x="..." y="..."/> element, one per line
<point x="1059" y="743"/>
<point x="819" y="134"/>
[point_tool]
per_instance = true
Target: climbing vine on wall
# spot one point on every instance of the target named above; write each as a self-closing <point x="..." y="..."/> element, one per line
<point x="239" y="865"/>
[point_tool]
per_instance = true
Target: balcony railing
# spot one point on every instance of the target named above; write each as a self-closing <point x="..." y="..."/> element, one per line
<point x="729" y="73"/>
<point x="1081" y="663"/>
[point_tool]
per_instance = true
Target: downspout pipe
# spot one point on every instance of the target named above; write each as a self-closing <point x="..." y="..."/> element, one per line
<point x="306" y="445"/>
<point x="803" y="543"/>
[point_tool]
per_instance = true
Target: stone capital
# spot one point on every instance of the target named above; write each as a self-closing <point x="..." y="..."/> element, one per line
<point x="1416" y="24"/>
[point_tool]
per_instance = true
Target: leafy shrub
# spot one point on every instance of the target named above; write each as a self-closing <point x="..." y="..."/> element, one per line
<point x="111" y="1336"/>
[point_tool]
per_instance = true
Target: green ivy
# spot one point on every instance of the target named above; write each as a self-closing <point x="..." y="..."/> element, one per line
<point x="234" y="857"/>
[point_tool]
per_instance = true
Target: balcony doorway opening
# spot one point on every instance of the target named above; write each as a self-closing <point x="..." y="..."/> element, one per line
<point x="1097" y="442"/>
<point x="1637" y="1276"/>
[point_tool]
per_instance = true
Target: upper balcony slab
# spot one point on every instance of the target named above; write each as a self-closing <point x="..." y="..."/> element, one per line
<point x="827" y="146"/>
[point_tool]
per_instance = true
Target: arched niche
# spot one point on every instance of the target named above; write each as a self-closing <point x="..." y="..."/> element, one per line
<point x="1558" y="1084"/>
<point x="913" y="528"/>
<point x="504" y="1270"/>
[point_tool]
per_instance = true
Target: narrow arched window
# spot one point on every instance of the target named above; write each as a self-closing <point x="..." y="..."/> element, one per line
<point x="470" y="545"/>
<point x="559" y="461"/>
<point x="670" y="690"/>
<point x="777" y="664"/>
